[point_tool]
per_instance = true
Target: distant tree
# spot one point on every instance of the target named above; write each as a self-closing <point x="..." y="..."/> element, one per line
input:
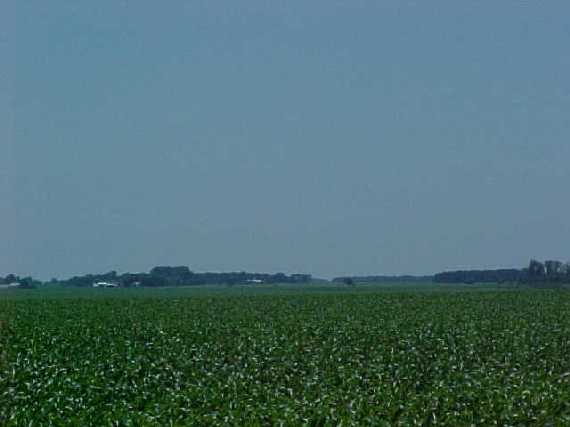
<point x="279" y="278"/>
<point x="11" y="278"/>
<point x="348" y="281"/>
<point x="180" y="275"/>
<point x="553" y="268"/>
<point x="301" y="278"/>
<point x="152" y="281"/>
<point x="27" y="283"/>
<point x="536" y="269"/>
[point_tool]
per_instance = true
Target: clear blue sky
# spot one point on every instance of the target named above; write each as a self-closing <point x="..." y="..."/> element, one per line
<point x="328" y="137"/>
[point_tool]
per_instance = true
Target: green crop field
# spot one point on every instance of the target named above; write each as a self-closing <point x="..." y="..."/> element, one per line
<point x="285" y="356"/>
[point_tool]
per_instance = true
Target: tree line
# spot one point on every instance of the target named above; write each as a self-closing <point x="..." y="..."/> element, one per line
<point x="382" y="279"/>
<point x="182" y="276"/>
<point x="537" y="273"/>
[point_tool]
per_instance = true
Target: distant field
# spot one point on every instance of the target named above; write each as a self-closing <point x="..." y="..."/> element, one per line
<point x="319" y="355"/>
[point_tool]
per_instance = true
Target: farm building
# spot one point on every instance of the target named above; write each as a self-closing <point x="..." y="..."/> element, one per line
<point x="105" y="285"/>
<point x="10" y="285"/>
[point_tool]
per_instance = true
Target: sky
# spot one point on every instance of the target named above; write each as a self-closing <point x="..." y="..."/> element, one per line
<point x="325" y="137"/>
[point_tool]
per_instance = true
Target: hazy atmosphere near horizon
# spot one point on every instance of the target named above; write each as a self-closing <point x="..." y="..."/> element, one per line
<point x="325" y="137"/>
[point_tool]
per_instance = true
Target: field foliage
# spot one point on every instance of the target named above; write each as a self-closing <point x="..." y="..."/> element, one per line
<point x="354" y="357"/>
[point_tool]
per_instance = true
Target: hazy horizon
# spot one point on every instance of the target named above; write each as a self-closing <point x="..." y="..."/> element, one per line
<point x="331" y="138"/>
